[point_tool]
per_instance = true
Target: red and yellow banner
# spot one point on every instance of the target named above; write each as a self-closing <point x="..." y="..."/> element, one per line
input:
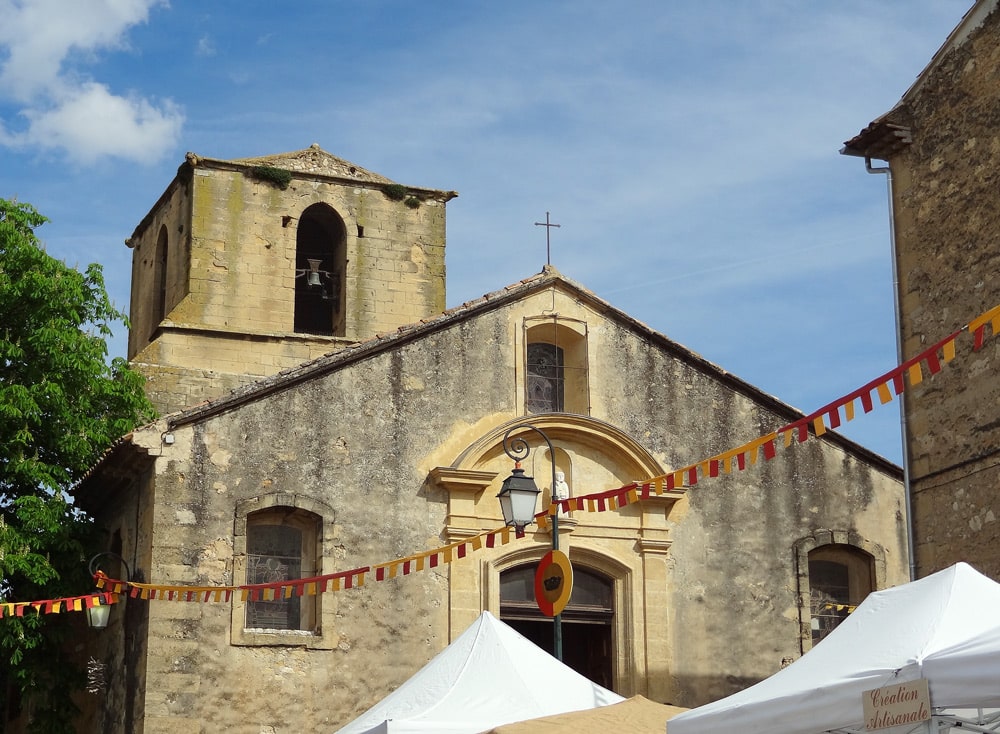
<point x="58" y="606"/>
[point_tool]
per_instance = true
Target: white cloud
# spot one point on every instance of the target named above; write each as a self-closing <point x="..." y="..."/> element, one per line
<point x="90" y="123"/>
<point x="44" y="42"/>
<point x="205" y="47"/>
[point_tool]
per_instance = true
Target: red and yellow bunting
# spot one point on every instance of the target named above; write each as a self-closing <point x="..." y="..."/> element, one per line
<point x="312" y="585"/>
<point x="831" y="416"/>
<point x="58" y="606"/>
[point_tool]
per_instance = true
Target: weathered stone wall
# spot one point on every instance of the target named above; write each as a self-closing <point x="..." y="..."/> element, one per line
<point x="126" y="511"/>
<point x="709" y="588"/>
<point x="231" y="275"/>
<point x="947" y="207"/>
<point x="171" y="215"/>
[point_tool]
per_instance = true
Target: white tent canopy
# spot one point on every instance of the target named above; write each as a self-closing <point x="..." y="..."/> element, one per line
<point x="944" y="628"/>
<point x="490" y="675"/>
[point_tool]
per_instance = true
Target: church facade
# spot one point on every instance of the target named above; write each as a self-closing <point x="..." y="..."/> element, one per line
<point x="326" y="418"/>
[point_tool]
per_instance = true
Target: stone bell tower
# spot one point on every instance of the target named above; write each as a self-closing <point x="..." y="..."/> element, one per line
<point x="247" y="267"/>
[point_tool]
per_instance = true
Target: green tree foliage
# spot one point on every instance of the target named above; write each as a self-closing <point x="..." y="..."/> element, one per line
<point x="61" y="406"/>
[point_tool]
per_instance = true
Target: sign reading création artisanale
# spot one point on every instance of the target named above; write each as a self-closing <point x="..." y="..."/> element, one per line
<point x="903" y="703"/>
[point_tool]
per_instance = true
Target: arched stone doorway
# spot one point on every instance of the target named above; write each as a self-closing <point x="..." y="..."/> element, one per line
<point x="625" y="552"/>
<point x="588" y="622"/>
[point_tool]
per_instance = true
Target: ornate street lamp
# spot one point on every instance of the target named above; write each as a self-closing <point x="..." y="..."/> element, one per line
<point x="99" y="614"/>
<point x="517" y="502"/>
<point x="518" y="495"/>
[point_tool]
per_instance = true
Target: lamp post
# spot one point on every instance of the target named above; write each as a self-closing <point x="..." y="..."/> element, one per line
<point x="517" y="501"/>
<point x="99" y="614"/>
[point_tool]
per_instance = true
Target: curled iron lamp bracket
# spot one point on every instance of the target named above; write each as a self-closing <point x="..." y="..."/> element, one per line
<point x="99" y="614"/>
<point x="94" y="566"/>
<point x="517" y="448"/>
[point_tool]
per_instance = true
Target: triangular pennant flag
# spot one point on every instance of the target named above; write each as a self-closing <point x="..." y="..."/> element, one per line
<point x="933" y="363"/>
<point x="884" y="395"/>
<point x="948" y="350"/>
<point x="833" y="416"/>
<point x="769" y="448"/>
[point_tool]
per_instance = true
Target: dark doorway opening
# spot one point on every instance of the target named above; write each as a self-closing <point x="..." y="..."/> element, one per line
<point x="586" y="647"/>
<point x="587" y="621"/>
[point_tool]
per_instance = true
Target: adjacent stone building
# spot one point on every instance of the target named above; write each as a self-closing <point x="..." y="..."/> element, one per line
<point x="942" y="145"/>
<point x="324" y="413"/>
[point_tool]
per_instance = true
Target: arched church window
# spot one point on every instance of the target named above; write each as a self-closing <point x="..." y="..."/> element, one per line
<point x="320" y="271"/>
<point x="587" y="621"/>
<point x="545" y="388"/>
<point x="840" y="577"/>
<point x="281" y="545"/>
<point x="556" y="366"/>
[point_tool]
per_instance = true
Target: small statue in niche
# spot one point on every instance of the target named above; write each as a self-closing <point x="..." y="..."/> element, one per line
<point x="561" y="491"/>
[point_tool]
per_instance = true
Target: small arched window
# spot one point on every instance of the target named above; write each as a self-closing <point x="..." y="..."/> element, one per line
<point x="545" y="391"/>
<point x="840" y="577"/>
<point x="320" y="271"/>
<point x="281" y="545"/>
<point x="556" y="366"/>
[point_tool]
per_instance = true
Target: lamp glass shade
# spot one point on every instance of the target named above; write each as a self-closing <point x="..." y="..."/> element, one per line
<point x="98" y="615"/>
<point x="518" y="495"/>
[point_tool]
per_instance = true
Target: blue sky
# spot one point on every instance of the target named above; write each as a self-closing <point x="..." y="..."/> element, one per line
<point x="688" y="149"/>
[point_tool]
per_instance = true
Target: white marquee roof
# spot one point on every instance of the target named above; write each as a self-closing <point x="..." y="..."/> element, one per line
<point x="489" y="676"/>
<point x="945" y="628"/>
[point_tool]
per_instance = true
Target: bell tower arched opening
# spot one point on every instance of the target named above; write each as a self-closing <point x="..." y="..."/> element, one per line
<point x="320" y="272"/>
<point x="160" y="278"/>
